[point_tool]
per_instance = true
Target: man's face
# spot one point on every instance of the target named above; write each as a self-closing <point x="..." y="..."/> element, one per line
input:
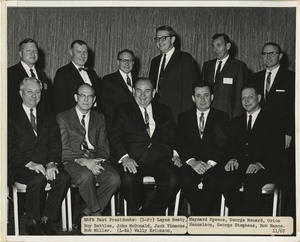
<point x="143" y="93"/>
<point x="79" y="54"/>
<point x="271" y="56"/>
<point x="202" y="98"/>
<point x="85" y="99"/>
<point x="125" y="62"/>
<point x="250" y="100"/>
<point x="31" y="94"/>
<point x="165" y="45"/>
<point x="29" y="54"/>
<point x="220" y="49"/>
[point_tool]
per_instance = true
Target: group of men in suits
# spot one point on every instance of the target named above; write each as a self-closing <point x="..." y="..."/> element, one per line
<point x="140" y="117"/>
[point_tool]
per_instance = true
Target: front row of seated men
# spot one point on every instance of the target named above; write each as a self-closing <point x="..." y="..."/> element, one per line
<point x="204" y="147"/>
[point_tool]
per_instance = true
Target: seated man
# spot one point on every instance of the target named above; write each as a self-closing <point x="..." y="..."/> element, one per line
<point x="201" y="139"/>
<point x="141" y="138"/>
<point x="34" y="159"/>
<point x="256" y="145"/>
<point x="85" y="153"/>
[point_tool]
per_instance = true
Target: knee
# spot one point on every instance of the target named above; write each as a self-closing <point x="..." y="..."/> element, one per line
<point x="64" y="179"/>
<point x="114" y="180"/>
<point x="39" y="180"/>
<point x="126" y="179"/>
<point x="86" y="176"/>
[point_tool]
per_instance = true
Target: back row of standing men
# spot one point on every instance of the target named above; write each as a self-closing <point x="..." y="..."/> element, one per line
<point x="173" y="73"/>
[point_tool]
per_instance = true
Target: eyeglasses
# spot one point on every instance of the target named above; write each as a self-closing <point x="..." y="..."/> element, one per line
<point x="271" y="54"/>
<point x="126" y="60"/>
<point x="162" y="38"/>
<point x="83" y="96"/>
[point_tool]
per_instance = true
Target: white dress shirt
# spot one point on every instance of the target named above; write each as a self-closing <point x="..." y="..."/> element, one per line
<point x="124" y="76"/>
<point x="86" y="122"/>
<point x="27" y="69"/>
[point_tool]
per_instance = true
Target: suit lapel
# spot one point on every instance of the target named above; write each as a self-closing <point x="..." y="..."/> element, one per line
<point x="21" y="70"/>
<point x="24" y="119"/>
<point x="75" y="73"/>
<point x="172" y="61"/>
<point x="122" y="83"/>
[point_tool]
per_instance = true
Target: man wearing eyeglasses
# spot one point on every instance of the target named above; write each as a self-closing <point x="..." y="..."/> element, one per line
<point x="173" y="72"/>
<point x="69" y="77"/>
<point x="227" y="75"/>
<point x="117" y="86"/>
<point x="85" y="153"/>
<point x="278" y="87"/>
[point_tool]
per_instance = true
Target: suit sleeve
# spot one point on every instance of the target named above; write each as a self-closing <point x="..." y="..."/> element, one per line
<point x="107" y="99"/>
<point x="103" y="150"/>
<point x="180" y="141"/>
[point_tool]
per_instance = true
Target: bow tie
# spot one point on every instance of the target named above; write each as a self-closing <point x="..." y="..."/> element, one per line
<point x="82" y="69"/>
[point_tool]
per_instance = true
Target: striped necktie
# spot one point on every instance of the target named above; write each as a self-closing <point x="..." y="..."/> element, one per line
<point x="84" y="145"/>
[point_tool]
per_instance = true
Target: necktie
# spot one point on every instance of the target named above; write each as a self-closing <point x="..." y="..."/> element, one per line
<point x="161" y="72"/>
<point x="32" y="120"/>
<point x="128" y="81"/>
<point x="268" y="83"/>
<point x="218" y="70"/>
<point x="84" y="145"/>
<point x="201" y="124"/>
<point x="249" y="124"/>
<point x="82" y="69"/>
<point x="147" y="121"/>
<point x="32" y="73"/>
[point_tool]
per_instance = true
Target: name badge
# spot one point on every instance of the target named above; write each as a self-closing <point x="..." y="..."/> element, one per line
<point x="45" y="86"/>
<point x="228" y="80"/>
<point x="280" y="90"/>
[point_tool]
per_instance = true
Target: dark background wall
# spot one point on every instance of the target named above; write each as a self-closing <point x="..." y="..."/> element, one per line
<point x="110" y="29"/>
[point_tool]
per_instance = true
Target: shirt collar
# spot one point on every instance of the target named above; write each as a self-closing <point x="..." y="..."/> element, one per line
<point x="26" y="67"/>
<point x="198" y="112"/>
<point x="254" y="115"/>
<point x="77" y="66"/>
<point x="124" y="75"/>
<point x="170" y="52"/>
<point x="274" y="71"/>
<point x="223" y="60"/>
<point x="80" y="114"/>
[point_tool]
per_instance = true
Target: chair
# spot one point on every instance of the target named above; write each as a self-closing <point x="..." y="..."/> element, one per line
<point x="19" y="187"/>
<point x="269" y="188"/>
<point x="69" y="206"/>
<point x="149" y="180"/>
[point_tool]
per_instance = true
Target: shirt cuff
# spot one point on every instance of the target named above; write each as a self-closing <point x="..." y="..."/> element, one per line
<point x="120" y="161"/>
<point x="259" y="164"/>
<point x="188" y="161"/>
<point x="175" y="154"/>
<point x="211" y="162"/>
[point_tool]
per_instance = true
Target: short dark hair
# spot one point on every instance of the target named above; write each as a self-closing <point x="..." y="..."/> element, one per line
<point x="25" y="41"/>
<point x="252" y="85"/>
<point x="144" y="79"/>
<point x="78" y="41"/>
<point x="202" y="84"/>
<point x="166" y="28"/>
<point x="86" y="85"/>
<point x="225" y="37"/>
<point x="274" y="44"/>
<point x="126" y="51"/>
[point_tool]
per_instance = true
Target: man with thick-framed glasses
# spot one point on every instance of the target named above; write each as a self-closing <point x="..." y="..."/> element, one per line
<point x="85" y="153"/>
<point x="173" y="72"/>
<point x="277" y="84"/>
<point x="117" y="86"/>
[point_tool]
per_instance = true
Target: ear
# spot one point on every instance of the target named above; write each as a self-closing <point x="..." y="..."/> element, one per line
<point x="70" y="52"/>
<point x="280" y="56"/>
<point x="133" y="91"/>
<point x="94" y="99"/>
<point x="193" y="98"/>
<point x="228" y="46"/>
<point x="20" y="54"/>
<point x="173" y="38"/>
<point x="21" y="94"/>
<point x="211" y="97"/>
<point x="76" y="97"/>
<point x="259" y="97"/>
<point x="153" y="93"/>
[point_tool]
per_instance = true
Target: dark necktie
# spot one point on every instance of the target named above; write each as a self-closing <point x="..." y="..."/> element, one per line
<point x="201" y="124"/>
<point x="268" y="83"/>
<point x="32" y="73"/>
<point x="82" y="69"/>
<point x="162" y="69"/>
<point x="32" y="120"/>
<point x="128" y="81"/>
<point x="249" y="124"/>
<point x="147" y="121"/>
<point x="218" y="70"/>
<point x="84" y="144"/>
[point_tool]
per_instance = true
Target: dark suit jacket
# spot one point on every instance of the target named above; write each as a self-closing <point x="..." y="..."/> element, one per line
<point x="72" y="135"/>
<point x="264" y="145"/>
<point x="178" y="78"/>
<point x="24" y="146"/>
<point x="212" y="145"/>
<point x="15" y="75"/>
<point x="114" y="92"/>
<point x="128" y="134"/>
<point x="227" y="88"/>
<point x="281" y="98"/>
<point x="66" y="82"/>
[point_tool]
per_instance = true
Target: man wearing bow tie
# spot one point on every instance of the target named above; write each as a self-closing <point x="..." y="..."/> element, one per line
<point x="201" y="139"/>
<point x="28" y="51"/>
<point x="69" y="77"/>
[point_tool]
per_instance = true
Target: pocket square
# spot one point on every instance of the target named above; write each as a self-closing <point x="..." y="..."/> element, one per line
<point x="280" y="90"/>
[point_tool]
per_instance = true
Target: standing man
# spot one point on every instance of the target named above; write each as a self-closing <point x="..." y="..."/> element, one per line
<point x="255" y="150"/>
<point x="85" y="153"/>
<point x="34" y="159"/>
<point x="173" y="72"/>
<point x="69" y="77"/>
<point x="28" y="51"/>
<point x="118" y="86"/>
<point x="141" y="138"/>
<point x="201" y="140"/>
<point x="278" y="87"/>
<point x="227" y="75"/>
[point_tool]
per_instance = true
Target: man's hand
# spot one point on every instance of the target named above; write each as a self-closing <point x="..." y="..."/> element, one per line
<point x="288" y="140"/>
<point x="129" y="165"/>
<point x="253" y="168"/>
<point x="94" y="165"/>
<point x="177" y="161"/>
<point x="199" y="166"/>
<point x="38" y="168"/>
<point x="51" y="171"/>
<point x="231" y="165"/>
